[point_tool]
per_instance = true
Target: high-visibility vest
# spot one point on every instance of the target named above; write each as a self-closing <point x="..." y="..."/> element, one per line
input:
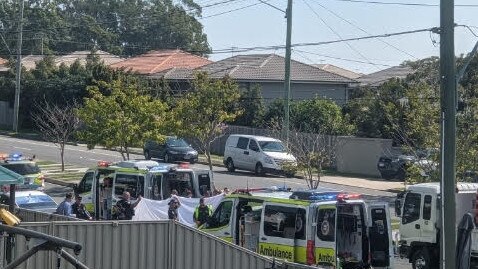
<point x="196" y="211"/>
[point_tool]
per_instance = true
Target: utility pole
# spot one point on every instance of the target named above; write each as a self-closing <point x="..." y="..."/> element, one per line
<point x="16" y="105"/>
<point x="285" y="128"/>
<point x="448" y="145"/>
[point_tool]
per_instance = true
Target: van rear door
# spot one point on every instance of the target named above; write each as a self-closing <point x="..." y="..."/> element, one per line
<point x="380" y="235"/>
<point x="325" y="236"/>
<point x="283" y="232"/>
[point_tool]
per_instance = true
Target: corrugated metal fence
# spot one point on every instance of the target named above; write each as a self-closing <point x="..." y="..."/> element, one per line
<point x="159" y="244"/>
<point x="26" y="215"/>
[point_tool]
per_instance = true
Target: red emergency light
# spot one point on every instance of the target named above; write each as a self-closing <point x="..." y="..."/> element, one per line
<point x="104" y="164"/>
<point x="348" y="196"/>
<point x="183" y="165"/>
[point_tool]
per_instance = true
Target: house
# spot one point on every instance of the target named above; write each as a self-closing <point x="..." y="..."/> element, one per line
<point x="339" y="71"/>
<point x="378" y="78"/>
<point x="3" y="65"/>
<point x="103" y="56"/>
<point x="267" y="71"/>
<point x="161" y="61"/>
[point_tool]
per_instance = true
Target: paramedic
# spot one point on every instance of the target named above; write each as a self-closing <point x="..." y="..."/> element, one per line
<point x="79" y="209"/>
<point x="125" y="209"/>
<point x="202" y="213"/>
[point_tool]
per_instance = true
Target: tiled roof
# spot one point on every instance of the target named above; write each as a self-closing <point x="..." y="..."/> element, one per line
<point x="160" y="60"/>
<point x="380" y="77"/>
<point x="339" y="71"/>
<point x="104" y="56"/>
<point x="30" y="61"/>
<point x="259" y="67"/>
<point x="3" y="65"/>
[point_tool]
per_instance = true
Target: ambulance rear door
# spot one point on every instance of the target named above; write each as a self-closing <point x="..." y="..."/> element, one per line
<point x="325" y="237"/>
<point x="222" y="222"/>
<point x="283" y="231"/>
<point x="380" y="235"/>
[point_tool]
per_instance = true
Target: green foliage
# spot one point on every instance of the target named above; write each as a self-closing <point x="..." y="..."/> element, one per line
<point x="252" y="105"/>
<point x="320" y="116"/>
<point x="122" y="27"/>
<point x="122" y="118"/>
<point x="316" y="115"/>
<point x="204" y="110"/>
<point x="408" y="113"/>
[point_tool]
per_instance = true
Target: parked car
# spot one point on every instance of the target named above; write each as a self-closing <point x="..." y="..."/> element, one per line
<point x="33" y="200"/>
<point x="171" y="150"/>
<point x="259" y="154"/>
<point x="394" y="165"/>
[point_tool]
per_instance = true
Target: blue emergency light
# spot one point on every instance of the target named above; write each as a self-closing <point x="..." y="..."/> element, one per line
<point x="15" y="157"/>
<point x="159" y="168"/>
<point x="324" y="196"/>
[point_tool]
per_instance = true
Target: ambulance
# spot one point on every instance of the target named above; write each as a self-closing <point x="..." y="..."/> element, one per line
<point x="328" y="228"/>
<point x="139" y="177"/>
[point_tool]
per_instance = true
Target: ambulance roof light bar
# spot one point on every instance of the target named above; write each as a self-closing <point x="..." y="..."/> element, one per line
<point x="104" y="164"/>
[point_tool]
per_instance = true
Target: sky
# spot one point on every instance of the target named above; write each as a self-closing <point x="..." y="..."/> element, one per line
<point x="325" y="20"/>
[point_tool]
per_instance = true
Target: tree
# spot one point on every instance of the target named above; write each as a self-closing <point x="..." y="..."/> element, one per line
<point x="120" y="116"/>
<point x="56" y="124"/>
<point x="203" y="112"/>
<point x="120" y="27"/>
<point x="252" y="105"/>
<point x="320" y="116"/>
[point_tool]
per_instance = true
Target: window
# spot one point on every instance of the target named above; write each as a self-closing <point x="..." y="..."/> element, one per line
<point x="411" y="208"/>
<point x="221" y="216"/>
<point x="23" y="168"/>
<point x="179" y="181"/>
<point x="427" y="207"/>
<point x="204" y="183"/>
<point x="253" y="145"/>
<point x="86" y="183"/>
<point x="242" y="142"/>
<point x="35" y="202"/>
<point x="272" y="146"/>
<point x="133" y="184"/>
<point x="177" y="143"/>
<point x="326" y="224"/>
<point x="284" y="222"/>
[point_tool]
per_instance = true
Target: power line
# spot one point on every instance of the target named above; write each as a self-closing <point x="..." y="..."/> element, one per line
<point x="338" y="35"/>
<point x="233" y="10"/>
<point x="342" y="59"/>
<point x="363" y="30"/>
<point x="276" y="47"/>
<point x="401" y="3"/>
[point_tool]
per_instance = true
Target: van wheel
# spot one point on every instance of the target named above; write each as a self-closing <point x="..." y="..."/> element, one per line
<point x="147" y="156"/>
<point x="230" y="165"/>
<point x="259" y="169"/>
<point x="421" y="259"/>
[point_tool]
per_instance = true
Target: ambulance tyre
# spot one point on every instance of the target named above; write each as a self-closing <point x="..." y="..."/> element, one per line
<point x="421" y="259"/>
<point x="230" y="165"/>
<point x="259" y="169"/>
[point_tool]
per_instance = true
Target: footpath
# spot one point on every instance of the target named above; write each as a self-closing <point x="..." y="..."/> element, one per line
<point x="73" y="175"/>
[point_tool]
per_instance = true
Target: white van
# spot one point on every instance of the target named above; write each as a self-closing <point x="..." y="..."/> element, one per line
<point x="256" y="153"/>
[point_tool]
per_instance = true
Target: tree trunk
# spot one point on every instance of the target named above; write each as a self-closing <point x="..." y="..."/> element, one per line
<point x="122" y="153"/>
<point x="208" y="156"/>
<point x="62" y="153"/>
<point x="127" y="152"/>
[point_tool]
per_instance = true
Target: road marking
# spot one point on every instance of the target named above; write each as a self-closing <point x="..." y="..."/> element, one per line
<point x="66" y="148"/>
<point x="22" y="148"/>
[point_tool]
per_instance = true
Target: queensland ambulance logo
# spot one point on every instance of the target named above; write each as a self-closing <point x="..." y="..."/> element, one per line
<point x="325" y="255"/>
<point x="325" y="227"/>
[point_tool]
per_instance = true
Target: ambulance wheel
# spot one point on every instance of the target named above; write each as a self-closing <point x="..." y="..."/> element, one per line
<point x="147" y="156"/>
<point x="230" y="165"/>
<point x="259" y="169"/>
<point x="421" y="259"/>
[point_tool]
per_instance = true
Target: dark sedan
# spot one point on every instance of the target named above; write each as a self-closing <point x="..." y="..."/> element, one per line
<point x="171" y="150"/>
